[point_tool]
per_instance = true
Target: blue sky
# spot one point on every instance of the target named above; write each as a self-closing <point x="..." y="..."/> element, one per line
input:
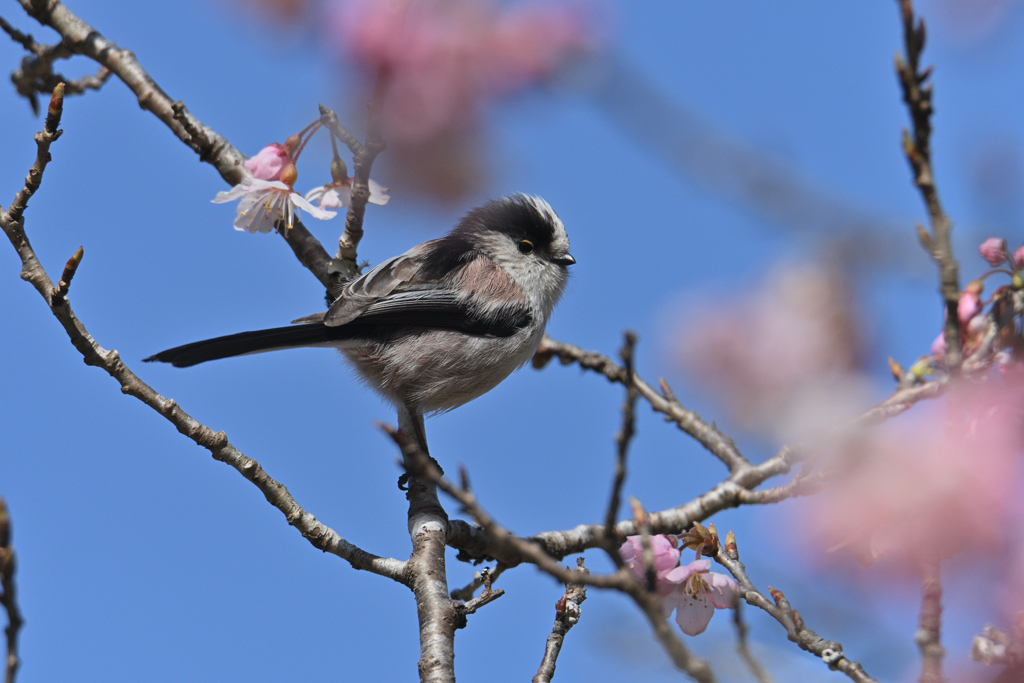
<point x="141" y="558"/>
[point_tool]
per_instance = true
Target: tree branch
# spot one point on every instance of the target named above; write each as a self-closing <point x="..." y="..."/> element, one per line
<point x="743" y="648"/>
<point x="779" y="608"/>
<point x="12" y="223"/>
<point x="81" y="38"/>
<point x="8" y="598"/>
<point x="918" y="97"/>
<point x="567" y="614"/>
<point x="928" y="636"/>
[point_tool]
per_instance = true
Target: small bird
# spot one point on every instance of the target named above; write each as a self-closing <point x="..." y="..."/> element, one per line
<point x="441" y="324"/>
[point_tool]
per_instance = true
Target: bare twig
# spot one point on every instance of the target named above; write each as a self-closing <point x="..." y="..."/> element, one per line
<point x="928" y="636"/>
<point x="918" y="97"/>
<point x="78" y="37"/>
<point x="321" y="536"/>
<point x="8" y="596"/>
<point x="720" y="445"/>
<point x="486" y="576"/>
<point x="363" y="156"/>
<point x="743" y="648"/>
<point x="830" y="652"/>
<point x="622" y="440"/>
<point x="567" y="614"/>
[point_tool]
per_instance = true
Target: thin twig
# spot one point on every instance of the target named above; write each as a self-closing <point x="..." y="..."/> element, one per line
<point x="929" y="627"/>
<point x="487" y="576"/>
<point x="567" y="615"/>
<point x="743" y="648"/>
<point x="918" y="97"/>
<point x="622" y="440"/>
<point x="708" y="435"/>
<point x="830" y="652"/>
<point x="9" y="596"/>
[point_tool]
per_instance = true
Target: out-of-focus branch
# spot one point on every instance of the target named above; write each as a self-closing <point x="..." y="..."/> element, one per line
<point x="78" y="37"/>
<point x="567" y="614"/>
<point x="8" y="594"/>
<point x="993" y="647"/>
<point x="12" y="223"/>
<point x="830" y="652"/>
<point x="929" y="627"/>
<point x="918" y="97"/>
<point x="36" y="74"/>
<point x="743" y="648"/>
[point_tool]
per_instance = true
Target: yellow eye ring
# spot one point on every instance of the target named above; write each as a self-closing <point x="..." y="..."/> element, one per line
<point x="525" y="247"/>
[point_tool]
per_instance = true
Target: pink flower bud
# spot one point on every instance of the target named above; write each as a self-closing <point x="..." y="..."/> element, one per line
<point x="969" y="306"/>
<point x="993" y="250"/>
<point x="1018" y="257"/>
<point x="939" y="346"/>
<point x="268" y="164"/>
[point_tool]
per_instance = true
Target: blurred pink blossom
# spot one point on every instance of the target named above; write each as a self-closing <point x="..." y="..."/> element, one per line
<point x="269" y="162"/>
<point x="771" y="353"/>
<point x="444" y="58"/>
<point x="1018" y="257"/>
<point x="929" y="484"/>
<point x="993" y="250"/>
<point x="666" y="558"/>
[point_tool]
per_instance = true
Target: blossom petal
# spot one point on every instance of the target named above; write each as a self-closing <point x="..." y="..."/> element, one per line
<point x="682" y="573"/>
<point x="693" y="614"/>
<point x="316" y="212"/>
<point x="378" y="193"/>
<point x="722" y="590"/>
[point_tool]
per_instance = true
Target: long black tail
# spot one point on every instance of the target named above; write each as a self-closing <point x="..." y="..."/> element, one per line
<point x="316" y="334"/>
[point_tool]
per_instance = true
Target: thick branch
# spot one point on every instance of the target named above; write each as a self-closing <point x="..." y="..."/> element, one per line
<point x="439" y="616"/>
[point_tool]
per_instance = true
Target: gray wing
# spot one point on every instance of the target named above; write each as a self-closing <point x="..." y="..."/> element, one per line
<point x="375" y="286"/>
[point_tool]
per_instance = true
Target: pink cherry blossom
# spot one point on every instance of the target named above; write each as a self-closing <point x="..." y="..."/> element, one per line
<point x="993" y="250"/>
<point x="932" y="483"/>
<point x="444" y="59"/>
<point x="968" y="307"/>
<point x="338" y="195"/>
<point x="266" y="202"/>
<point x="666" y="558"/>
<point x="699" y="593"/>
<point x="1018" y="257"/>
<point x="269" y="162"/>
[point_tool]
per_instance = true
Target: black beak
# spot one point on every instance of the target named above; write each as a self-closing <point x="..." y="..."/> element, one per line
<point x="565" y="260"/>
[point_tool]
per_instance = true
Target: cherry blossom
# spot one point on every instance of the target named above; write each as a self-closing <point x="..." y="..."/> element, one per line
<point x="338" y="194"/>
<point x="269" y="162"/>
<point x="993" y="250"/>
<point x="265" y="203"/>
<point x="698" y="593"/>
<point x="692" y="591"/>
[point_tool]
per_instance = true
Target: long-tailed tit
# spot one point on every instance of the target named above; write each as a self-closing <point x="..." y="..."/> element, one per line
<point x="441" y="324"/>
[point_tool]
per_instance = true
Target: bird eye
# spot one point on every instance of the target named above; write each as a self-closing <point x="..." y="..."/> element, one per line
<point x="526" y="247"/>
